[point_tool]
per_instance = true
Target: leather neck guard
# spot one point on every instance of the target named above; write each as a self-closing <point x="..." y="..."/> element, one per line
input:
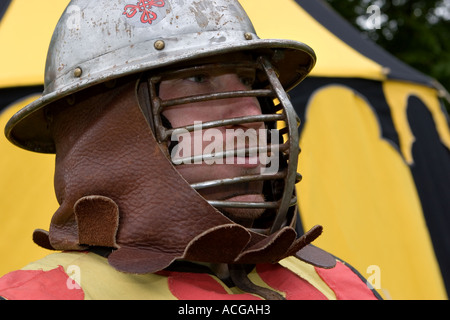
<point x="117" y="189"/>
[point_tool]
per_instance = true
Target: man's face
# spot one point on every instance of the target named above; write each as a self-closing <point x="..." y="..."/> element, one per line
<point x="207" y="141"/>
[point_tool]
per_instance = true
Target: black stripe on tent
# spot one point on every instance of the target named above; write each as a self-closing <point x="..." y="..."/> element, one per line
<point x="10" y="95"/>
<point x="371" y="90"/>
<point x="431" y="172"/>
<point x="4" y="4"/>
<point x="341" y="28"/>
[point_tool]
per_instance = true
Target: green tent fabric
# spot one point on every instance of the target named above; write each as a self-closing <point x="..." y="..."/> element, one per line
<point x="375" y="141"/>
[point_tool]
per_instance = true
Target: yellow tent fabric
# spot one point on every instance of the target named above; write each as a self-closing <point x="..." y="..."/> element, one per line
<point x="26" y="179"/>
<point x="25" y="33"/>
<point x="27" y="200"/>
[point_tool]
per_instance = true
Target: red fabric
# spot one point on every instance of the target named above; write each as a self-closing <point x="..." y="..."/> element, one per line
<point x="199" y="286"/>
<point x="283" y="280"/>
<point x="193" y="286"/>
<point x="38" y="285"/>
<point x="345" y="283"/>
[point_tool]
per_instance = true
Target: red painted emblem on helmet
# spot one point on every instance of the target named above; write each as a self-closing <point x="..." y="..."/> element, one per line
<point x="144" y="7"/>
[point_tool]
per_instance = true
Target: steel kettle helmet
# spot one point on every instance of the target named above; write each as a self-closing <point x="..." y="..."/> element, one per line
<point x="97" y="41"/>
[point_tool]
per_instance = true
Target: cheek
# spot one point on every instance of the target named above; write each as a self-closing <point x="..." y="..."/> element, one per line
<point x="185" y="115"/>
<point x="176" y="116"/>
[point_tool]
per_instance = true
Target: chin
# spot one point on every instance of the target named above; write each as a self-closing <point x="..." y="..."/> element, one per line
<point x="242" y="216"/>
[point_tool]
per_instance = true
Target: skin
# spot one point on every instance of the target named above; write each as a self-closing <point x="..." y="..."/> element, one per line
<point x="186" y="114"/>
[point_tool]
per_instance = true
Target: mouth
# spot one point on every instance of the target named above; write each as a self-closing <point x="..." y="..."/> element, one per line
<point x="244" y="216"/>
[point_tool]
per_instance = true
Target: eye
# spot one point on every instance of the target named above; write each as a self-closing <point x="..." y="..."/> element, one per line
<point x="199" y="78"/>
<point x="247" y="81"/>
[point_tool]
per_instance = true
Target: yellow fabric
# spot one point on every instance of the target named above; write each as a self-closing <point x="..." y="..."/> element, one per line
<point x="27" y="199"/>
<point x="285" y="19"/>
<point x="25" y="33"/>
<point x="89" y="268"/>
<point x="357" y="185"/>
<point x="397" y="94"/>
<point x="307" y="272"/>
<point x="92" y="268"/>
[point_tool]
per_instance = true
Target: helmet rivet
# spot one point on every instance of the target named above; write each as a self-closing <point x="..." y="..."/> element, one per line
<point x="77" y="72"/>
<point x="159" y="45"/>
<point x="248" y="36"/>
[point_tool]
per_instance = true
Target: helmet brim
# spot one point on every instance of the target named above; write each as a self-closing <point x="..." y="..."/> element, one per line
<point x="28" y="128"/>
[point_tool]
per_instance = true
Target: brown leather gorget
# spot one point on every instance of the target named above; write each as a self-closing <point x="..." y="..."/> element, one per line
<point x="116" y="188"/>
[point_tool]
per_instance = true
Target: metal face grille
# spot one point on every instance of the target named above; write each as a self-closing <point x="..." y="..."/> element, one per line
<point x="280" y="121"/>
